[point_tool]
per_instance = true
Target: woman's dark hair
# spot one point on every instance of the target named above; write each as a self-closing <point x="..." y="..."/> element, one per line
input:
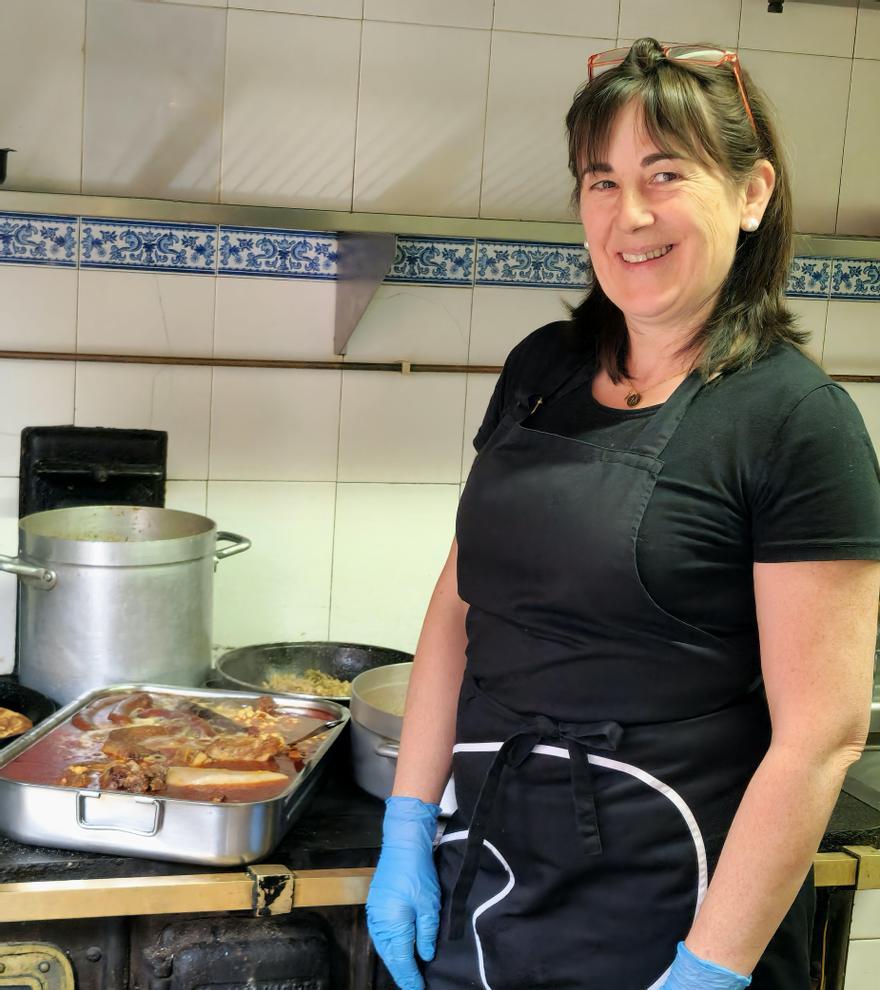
<point x="695" y="110"/>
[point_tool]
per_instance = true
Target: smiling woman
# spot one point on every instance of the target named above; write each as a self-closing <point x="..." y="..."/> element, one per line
<point x="648" y="659"/>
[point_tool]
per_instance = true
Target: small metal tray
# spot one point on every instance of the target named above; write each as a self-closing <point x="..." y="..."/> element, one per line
<point x="153" y="826"/>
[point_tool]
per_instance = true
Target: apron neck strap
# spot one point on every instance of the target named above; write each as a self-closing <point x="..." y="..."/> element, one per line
<point x="659" y="429"/>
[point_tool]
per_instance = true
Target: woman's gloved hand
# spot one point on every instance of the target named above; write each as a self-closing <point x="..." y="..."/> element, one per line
<point x="689" y="972"/>
<point x="403" y="905"/>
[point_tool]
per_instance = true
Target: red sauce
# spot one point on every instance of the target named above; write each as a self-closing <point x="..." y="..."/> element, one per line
<point x="66" y="745"/>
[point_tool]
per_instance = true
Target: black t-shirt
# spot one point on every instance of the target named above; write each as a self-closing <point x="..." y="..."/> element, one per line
<point x="771" y="463"/>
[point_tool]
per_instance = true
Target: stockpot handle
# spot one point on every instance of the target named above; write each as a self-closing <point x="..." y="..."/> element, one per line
<point x="39" y="576"/>
<point x="389" y="749"/>
<point x="239" y="545"/>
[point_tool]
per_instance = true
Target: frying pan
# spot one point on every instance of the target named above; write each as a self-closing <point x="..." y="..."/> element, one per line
<point x="22" y="699"/>
<point x="247" y="668"/>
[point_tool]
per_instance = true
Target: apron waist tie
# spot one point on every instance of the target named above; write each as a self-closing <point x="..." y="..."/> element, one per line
<point x="513" y="752"/>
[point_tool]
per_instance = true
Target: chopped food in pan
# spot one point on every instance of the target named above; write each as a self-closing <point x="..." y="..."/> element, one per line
<point x="217" y="750"/>
<point x="310" y="681"/>
<point x="13" y="723"/>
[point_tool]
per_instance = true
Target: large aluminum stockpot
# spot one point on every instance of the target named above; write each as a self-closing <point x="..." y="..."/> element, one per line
<point x="377" y="701"/>
<point x="115" y="592"/>
<point x="157" y="827"/>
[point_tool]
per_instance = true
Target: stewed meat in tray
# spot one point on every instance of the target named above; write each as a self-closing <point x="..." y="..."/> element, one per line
<point x="186" y="774"/>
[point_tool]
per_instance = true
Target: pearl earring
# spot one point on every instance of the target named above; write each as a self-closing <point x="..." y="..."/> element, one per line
<point x="587" y="245"/>
<point x="751" y="224"/>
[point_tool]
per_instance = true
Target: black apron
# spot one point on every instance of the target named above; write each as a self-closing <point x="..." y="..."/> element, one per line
<point x="603" y="745"/>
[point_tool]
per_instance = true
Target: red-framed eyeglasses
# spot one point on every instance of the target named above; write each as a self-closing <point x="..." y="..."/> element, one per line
<point x="703" y="54"/>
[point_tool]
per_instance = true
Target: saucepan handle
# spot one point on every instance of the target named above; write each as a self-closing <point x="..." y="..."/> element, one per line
<point x="388" y="749"/>
<point x="238" y="545"/>
<point x="41" y="577"/>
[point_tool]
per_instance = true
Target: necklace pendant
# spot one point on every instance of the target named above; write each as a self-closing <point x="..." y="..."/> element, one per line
<point x="633" y="399"/>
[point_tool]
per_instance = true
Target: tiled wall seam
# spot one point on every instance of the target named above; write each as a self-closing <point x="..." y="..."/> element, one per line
<point x="138" y="245"/>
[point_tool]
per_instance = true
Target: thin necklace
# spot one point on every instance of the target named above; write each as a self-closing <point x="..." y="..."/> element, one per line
<point x="634" y="396"/>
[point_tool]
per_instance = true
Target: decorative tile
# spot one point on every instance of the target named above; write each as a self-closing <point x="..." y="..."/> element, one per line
<point x="854" y="278"/>
<point x="433" y="261"/>
<point x="809" y="277"/>
<point x="277" y="253"/>
<point x="535" y="264"/>
<point x="38" y="239"/>
<point x="142" y="246"/>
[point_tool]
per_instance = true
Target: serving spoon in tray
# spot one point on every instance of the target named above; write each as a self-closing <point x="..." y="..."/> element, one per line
<point x="219" y="721"/>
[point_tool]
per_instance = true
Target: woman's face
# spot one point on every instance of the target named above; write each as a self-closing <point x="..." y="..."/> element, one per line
<point x="640" y="202"/>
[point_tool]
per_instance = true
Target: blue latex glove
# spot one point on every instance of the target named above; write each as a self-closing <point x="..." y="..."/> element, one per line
<point x="689" y="972"/>
<point x="403" y="905"/>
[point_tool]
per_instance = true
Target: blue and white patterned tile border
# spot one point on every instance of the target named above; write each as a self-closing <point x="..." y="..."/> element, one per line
<point x="433" y="261"/>
<point x="91" y="242"/>
<point x="38" y="239"/>
<point x="855" y="278"/>
<point x="278" y="253"/>
<point x="809" y="278"/>
<point x="536" y="265"/>
<point x="138" y="245"/>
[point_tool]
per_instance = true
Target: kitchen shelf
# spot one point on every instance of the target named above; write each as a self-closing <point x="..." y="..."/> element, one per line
<point x="290" y="218"/>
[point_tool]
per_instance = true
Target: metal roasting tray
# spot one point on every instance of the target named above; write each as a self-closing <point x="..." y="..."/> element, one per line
<point x="153" y="826"/>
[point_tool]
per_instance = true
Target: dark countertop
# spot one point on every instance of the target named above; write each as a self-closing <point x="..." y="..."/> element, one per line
<point x="340" y="828"/>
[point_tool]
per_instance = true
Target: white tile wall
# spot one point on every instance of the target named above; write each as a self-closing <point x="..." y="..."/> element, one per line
<point x="851" y="339"/>
<point x="144" y="396"/>
<point x="868" y="30"/>
<point x="145" y="313"/>
<point x="588" y="18"/>
<point x="862" y="964"/>
<point x="808" y="28"/>
<point x="503" y="316"/>
<point x="401" y="428"/>
<point x="859" y="209"/>
<point x="812" y="315"/>
<point x="450" y="13"/>
<point x="32" y="393"/>
<point x="525" y="170"/>
<point x="682" y="20"/>
<point x="274" y="318"/>
<point x="391" y="542"/>
<point x="274" y="424"/>
<point x="153" y="98"/>
<point x="417" y="323"/>
<point x="820" y="83"/>
<point x="188" y="496"/>
<point x="41" y="73"/>
<point x="279" y="589"/>
<point x="322" y="8"/>
<point x="291" y="104"/>
<point x="39" y="308"/>
<point x="421" y="117"/>
<point x="8" y="583"/>
<point x="866" y="915"/>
